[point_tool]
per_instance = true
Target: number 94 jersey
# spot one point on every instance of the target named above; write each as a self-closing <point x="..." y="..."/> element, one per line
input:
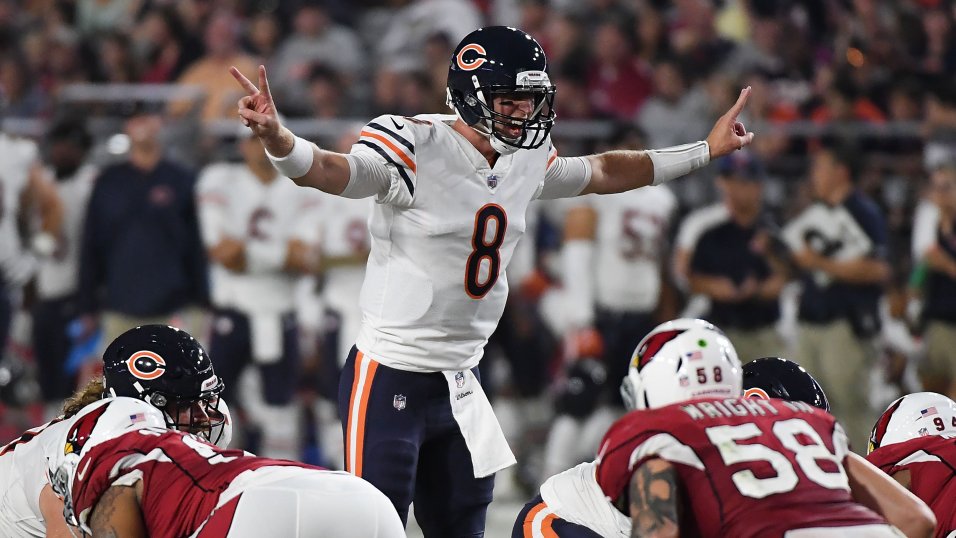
<point x="747" y="467"/>
<point x="443" y="232"/>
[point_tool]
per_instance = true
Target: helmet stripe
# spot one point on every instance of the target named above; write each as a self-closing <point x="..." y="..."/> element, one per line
<point x="876" y="437"/>
<point x="654" y="343"/>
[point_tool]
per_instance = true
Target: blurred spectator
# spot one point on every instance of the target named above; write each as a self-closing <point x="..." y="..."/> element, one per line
<point x="68" y="143"/>
<point x="162" y="46"/>
<point x="399" y="49"/>
<point x="260" y="232"/>
<point x="938" y="371"/>
<point x="211" y="72"/>
<point x="20" y="95"/>
<point x="438" y="50"/>
<point x="142" y="260"/>
<point x="763" y="52"/>
<point x="99" y="16"/>
<point x="316" y="39"/>
<point x="677" y="110"/>
<point x="263" y="36"/>
<point x="651" y="32"/>
<point x="734" y="264"/>
<point x="116" y="61"/>
<point x="618" y="82"/>
<point x="326" y="97"/>
<point x="937" y="54"/>
<point x="840" y="244"/>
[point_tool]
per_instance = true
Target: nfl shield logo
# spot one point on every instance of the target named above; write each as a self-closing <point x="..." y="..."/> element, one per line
<point x="492" y="181"/>
<point x="399" y="402"/>
<point x="460" y="379"/>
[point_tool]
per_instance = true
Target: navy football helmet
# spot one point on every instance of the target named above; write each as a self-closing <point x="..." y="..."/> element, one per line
<point x="502" y="61"/>
<point x="776" y="377"/>
<point x="167" y="368"/>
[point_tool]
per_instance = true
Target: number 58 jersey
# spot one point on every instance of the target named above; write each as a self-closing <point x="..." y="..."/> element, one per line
<point x="747" y="467"/>
<point x="443" y="231"/>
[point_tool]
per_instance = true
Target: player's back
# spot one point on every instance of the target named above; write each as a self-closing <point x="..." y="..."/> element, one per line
<point x="931" y="462"/>
<point x="23" y="464"/>
<point x="632" y="229"/>
<point x="747" y="467"/>
<point x="182" y="476"/>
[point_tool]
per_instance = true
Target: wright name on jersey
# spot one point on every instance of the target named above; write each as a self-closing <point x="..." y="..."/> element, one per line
<point x="749" y="468"/>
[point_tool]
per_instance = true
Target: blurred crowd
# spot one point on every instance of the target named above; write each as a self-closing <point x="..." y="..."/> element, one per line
<point x="836" y="230"/>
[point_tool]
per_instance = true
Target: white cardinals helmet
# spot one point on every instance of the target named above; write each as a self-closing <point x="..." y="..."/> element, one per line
<point x="681" y="360"/>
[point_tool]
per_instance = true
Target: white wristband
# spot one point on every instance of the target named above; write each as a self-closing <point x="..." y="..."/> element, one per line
<point x="298" y="162"/>
<point x="676" y="161"/>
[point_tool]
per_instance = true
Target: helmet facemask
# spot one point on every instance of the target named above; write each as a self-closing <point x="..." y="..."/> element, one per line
<point x="199" y="416"/>
<point x="477" y="109"/>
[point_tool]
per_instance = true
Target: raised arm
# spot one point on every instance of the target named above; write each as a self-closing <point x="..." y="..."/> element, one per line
<point x="619" y="171"/>
<point x="655" y="501"/>
<point x="304" y="162"/>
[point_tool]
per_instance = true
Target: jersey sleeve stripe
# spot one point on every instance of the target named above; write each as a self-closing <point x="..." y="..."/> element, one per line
<point x="388" y="143"/>
<point x="400" y="139"/>
<point x="399" y="167"/>
<point x="666" y="447"/>
<point x="551" y="159"/>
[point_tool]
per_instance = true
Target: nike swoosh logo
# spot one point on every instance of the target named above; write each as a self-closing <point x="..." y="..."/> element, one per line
<point x="82" y="472"/>
<point x="397" y="125"/>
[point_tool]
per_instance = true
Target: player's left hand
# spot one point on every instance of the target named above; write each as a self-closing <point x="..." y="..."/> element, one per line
<point x="728" y="134"/>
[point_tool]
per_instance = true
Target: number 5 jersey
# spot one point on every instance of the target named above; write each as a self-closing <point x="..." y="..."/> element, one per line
<point x="747" y="467"/>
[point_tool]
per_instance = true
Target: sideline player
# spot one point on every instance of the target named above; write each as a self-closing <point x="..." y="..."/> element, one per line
<point x="161" y="365"/>
<point x="914" y="441"/>
<point x="122" y="473"/>
<point x="453" y="193"/>
<point x="690" y="364"/>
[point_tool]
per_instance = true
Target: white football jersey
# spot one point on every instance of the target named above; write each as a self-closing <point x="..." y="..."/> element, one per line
<point x="235" y="203"/>
<point x="629" y="245"/>
<point x="18" y="156"/>
<point x="442" y="237"/>
<point x="23" y="474"/>
<point x="575" y="496"/>
<point x="57" y="275"/>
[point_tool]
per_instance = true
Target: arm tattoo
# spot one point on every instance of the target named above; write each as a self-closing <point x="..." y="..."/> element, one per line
<point x="654" y="500"/>
<point x="101" y="519"/>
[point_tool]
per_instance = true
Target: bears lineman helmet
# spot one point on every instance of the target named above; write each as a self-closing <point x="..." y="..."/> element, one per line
<point x="914" y="415"/>
<point x="776" y="377"/>
<point x="168" y="369"/>
<point x="502" y="61"/>
<point x="681" y="360"/>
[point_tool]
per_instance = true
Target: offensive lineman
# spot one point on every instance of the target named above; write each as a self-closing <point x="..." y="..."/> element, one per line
<point x="452" y="195"/>
<point x="186" y="391"/>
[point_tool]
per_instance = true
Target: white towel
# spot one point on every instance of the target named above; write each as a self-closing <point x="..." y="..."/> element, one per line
<point x="266" y="334"/>
<point x="479" y="426"/>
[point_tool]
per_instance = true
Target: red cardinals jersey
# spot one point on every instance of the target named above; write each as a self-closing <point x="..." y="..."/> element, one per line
<point x="931" y="461"/>
<point x="747" y="467"/>
<point x="182" y="477"/>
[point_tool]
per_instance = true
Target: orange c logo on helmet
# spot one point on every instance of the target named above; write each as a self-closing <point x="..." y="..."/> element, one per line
<point x="474" y="63"/>
<point x="757" y="393"/>
<point x="146" y="365"/>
